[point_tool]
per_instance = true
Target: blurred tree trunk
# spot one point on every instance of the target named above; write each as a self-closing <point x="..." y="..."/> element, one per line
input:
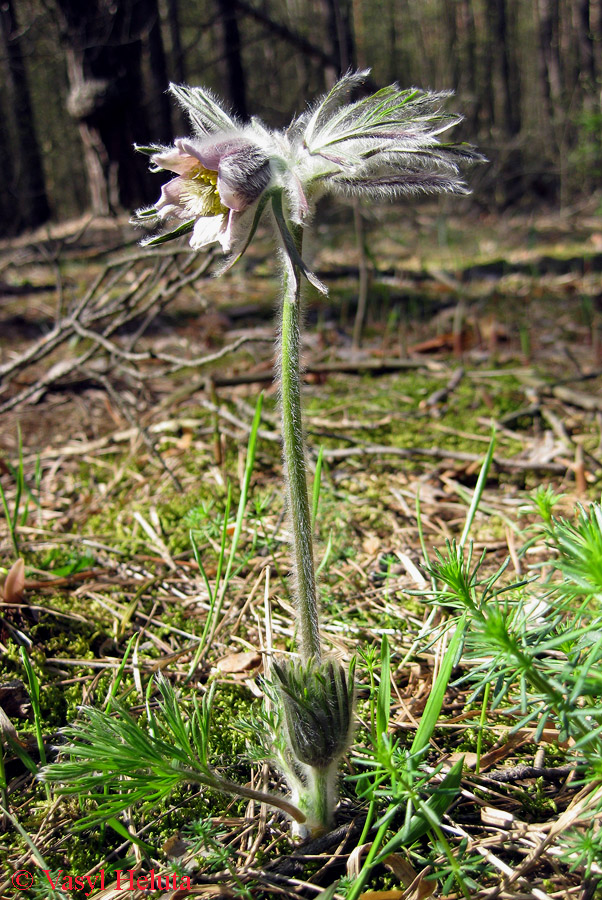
<point x="508" y="71"/>
<point x="281" y="32"/>
<point x="503" y="96"/>
<point x="454" y="60"/>
<point x="169" y="14"/>
<point x="160" y="106"/>
<point x="596" y="26"/>
<point x="339" y="18"/>
<point x="395" y="67"/>
<point x="8" y="196"/>
<point x="359" y="34"/>
<point x="237" y="84"/>
<point x="469" y="32"/>
<point x="339" y="23"/>
<point x="29" y="203"/>
<point x="549" y="56"/>
<point x="176" y="51"/>
<point x="584" y="29"/>
<point x="487" y="72"/>
<point x="104" y="48"/>
<point x="550" y="73"/>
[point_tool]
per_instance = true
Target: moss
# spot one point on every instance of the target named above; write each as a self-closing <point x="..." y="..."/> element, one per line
<point x="227" y="743"/>
<point x="82" y="854"/>
<point x="369" y="398"/>
<point x="538" y="802"/>
<point x="469" y="742"/>
<point x="200" y="509"/>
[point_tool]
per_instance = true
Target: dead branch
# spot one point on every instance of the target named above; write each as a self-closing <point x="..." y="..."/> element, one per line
<point x="441" y="395"/>
<point x="98" y="315"/>
<point x="509" y="465"/>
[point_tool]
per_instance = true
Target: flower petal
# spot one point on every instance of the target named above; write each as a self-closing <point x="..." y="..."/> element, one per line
<point x="175" y="160"/>
<point x="210" y="153"/>
<point x="243" y="169"/>
<point x="236" y="228"/>
<point x="239" y="232"/>
<point x="243" y="175"/>
<point x="206" y="231"/>
<point x="170" y="203"/>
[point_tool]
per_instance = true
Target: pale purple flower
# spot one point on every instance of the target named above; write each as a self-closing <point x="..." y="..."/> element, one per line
<point x="216" y="182"/>
<point x="380" y="146"/>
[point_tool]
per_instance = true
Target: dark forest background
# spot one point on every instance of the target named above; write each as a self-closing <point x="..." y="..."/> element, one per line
<point x="83" y="80"/>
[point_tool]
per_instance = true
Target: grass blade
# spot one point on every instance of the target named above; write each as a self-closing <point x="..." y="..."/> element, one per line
<point x="316" y="487"/>
<point x="434" y="703"/>
<point x="478" y="492"/>
<point x="429" y="812"/>
<point x="383" y="699"/>
<point x="220" y="592"/>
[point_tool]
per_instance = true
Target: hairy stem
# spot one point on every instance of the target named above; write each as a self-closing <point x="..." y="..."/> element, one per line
<point x="294" y="459"/>
<point x="322" y="794"/>
<point x="218" y="783"/>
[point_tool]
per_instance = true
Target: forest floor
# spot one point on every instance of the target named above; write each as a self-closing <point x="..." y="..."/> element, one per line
<point x="128" y="384"/>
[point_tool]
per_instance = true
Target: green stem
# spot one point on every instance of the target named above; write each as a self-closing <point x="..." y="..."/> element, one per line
<point x="273" y="800"/>
<point x="482" y="721"/>
<point x="321" y="793"/>
<point x="453" y="862"/>
<point x="212" y="780"/>
<point x="367" y="824"/>
<point x="358" y="885"/>
<point x="294" y="459"/>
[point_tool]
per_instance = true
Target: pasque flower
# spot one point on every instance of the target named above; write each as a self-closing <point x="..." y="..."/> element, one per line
<point x="380" y="146"/>
<point x="318" y="710"/>
<point x="215" y="184"/>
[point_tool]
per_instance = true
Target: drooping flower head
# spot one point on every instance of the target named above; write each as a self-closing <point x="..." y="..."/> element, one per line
<point x="214" y="182"/>
<point x="381" y="146"/>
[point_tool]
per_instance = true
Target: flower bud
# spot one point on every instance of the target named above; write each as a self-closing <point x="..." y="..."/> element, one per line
<point x="317" y="701"/>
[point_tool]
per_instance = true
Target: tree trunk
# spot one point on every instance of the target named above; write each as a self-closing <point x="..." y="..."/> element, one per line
<point x="237" y="92"/>
<point x="340" y="32"/>
<point x="549" y="57"/>
<point x="176" y="52"/>
<point x="8" y="196"/>
<point x="281" y="32"/>
<point x="488" y="69"/>
<point x="552" y="89"/>
<point x="104" y="48"/>
<point x="451" y="41"/>
<point x="468" y="29"/>
<point x="587" y="69"/>
<point x="596" y="26"/>
<point x="509" y="76"/>
<point x="159" y="106"/>
<point x="30" y="203"/>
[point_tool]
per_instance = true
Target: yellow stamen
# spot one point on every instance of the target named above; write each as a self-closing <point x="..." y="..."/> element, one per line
<point x="201" y="193"/>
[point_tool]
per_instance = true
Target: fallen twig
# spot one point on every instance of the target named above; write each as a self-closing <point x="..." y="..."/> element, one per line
<point x="510" y="465"/>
